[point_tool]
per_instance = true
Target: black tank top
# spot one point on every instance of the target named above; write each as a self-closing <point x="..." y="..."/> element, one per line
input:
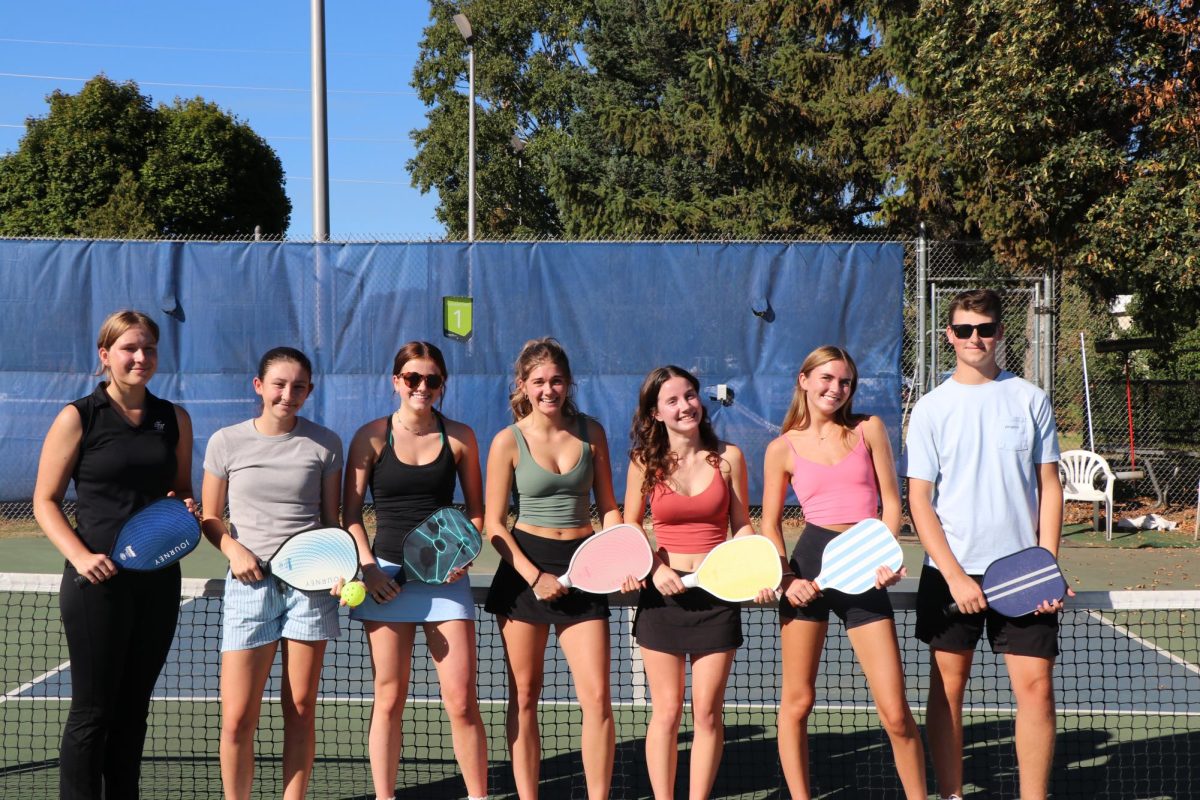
<point x="121" y="467"/>
<point x="405" y="494"/>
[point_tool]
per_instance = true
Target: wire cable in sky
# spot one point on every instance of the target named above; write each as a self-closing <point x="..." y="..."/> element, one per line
<point x="179" y="48"/>
<point x="286" y="89"/>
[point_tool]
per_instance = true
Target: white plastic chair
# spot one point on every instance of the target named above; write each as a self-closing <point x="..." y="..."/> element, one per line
<point x="1079" y="470"/>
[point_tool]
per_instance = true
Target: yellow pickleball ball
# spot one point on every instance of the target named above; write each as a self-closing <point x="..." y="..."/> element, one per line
<point x="354" y="592"/>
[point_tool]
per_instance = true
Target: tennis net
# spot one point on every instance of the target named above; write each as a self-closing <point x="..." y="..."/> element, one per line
<point x="1128" y="684"/>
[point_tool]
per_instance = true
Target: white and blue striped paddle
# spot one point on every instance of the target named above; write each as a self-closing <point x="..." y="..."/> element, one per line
<point x="851" y="559"/>
<point x="315" y="560"/>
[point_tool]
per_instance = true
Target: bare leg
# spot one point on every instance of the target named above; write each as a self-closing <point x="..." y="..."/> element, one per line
<point x="524" y="649"/>
<point x="948" y="674"/>
<point x="585" y="645"/>
<point x="391" y="659"/>
<point x="301" y="674"/>
<point x="801" y="642"/>
<point x="1034" y="688"/>
<point x="710" y="673"/>
<point x="452" y="645"/>
<point x="664" y="674"/>
<point x="879" y="654"/>
<point x="243" y="677"/>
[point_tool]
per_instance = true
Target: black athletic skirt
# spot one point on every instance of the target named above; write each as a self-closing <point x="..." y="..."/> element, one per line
<point x="694" y="622"/>
<point x="510" y="596"/>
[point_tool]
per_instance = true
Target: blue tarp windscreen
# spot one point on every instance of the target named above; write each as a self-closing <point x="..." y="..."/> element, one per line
<point x="742" y="315"/>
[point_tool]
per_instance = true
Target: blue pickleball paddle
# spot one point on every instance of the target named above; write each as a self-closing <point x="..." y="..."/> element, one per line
<point x="155" y="537"/>
<point x="1017" y="584"/>
<point x="446" y="541"/>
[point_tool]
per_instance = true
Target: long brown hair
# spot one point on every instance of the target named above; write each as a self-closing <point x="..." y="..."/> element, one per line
<point x="534" y="353"/>
<point x="650" y="446"/>
<point x="796" y="417"/>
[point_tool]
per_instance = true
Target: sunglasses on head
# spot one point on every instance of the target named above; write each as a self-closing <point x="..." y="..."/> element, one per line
<point x="964" y="330"/>
<point x="414" y="379"/>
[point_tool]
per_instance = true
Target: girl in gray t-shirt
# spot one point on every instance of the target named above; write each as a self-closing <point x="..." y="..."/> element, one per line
<point x="281" y="474"/>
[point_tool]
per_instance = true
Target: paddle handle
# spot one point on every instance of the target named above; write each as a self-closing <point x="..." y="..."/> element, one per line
<point x="691" y="580"/>
<point x="565" y="580"/>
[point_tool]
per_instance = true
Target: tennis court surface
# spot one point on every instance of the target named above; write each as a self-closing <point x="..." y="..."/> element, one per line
<point x="1128" y="685"/>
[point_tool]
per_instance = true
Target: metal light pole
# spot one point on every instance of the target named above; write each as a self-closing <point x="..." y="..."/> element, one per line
<point x="320" y="131"/>
<point x="464" y="28"/>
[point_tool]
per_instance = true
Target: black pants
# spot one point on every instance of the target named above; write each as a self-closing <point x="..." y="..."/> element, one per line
<point x="118" y="635"/>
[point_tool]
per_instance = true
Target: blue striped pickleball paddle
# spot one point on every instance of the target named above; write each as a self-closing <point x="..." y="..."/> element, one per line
<point x="1017" y="584"/>
<point x="852" y="557"/>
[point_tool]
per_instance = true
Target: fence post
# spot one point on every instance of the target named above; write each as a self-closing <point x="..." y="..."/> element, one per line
<point x="922" y="294"/>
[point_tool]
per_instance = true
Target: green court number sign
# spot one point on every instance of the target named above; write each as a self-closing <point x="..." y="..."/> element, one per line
<point x="458" y="318"/>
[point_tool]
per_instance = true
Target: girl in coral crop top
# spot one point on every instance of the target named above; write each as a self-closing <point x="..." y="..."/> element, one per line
<point x="840" y="466"/>
<point x="696" y="487"/>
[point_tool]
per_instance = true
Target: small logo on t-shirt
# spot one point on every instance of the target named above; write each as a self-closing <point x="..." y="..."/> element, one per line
<point x="159" y="425"/>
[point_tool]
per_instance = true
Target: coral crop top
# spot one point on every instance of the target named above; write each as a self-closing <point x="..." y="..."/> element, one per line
<point x="831" y="494"/>
<point x="691" y="524"/>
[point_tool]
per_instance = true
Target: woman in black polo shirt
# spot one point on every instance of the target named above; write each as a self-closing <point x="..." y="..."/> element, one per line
<point x="124" y="448"/>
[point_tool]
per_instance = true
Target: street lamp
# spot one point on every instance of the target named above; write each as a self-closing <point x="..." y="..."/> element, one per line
<point x="464" y="28"/>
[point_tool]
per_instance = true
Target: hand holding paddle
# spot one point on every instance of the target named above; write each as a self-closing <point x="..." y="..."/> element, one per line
<point x="158" y="535"/>
<point x="741" y="569"/>
<point x="608" y="561"/>
<point x="863" y="557"/>
<point x="1025" y="582"/>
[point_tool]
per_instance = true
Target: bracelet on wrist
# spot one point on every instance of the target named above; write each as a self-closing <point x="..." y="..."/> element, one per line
<point x="536" y="578"/>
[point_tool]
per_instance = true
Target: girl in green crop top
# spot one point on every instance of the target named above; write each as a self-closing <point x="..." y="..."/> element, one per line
<point x="553" y="457"/>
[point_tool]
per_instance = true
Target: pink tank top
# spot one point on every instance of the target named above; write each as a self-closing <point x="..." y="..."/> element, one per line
<point x="694" y="524"/>
<point x="831" y="494"/>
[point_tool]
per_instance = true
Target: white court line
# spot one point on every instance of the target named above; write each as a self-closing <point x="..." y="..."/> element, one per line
<point x="16" y="693"/>
<point x="1167" y="654"/>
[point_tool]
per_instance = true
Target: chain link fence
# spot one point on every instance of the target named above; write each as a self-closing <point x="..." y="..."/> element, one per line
<point x="1044" y="318"/>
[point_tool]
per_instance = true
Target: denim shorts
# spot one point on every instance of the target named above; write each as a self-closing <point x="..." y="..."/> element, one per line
<point x="269" y="610"/>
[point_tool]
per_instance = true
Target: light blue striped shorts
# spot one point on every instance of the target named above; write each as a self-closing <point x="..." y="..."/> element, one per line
<point x="269" y="610"/>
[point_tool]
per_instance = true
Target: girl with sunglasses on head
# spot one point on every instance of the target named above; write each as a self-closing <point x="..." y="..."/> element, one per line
<point x="281" y="475"/>
<point x="554" y="457"/>
<point x="410" y="461"/>
<point x="840" y="467"/>
<point x="696" y="487"/>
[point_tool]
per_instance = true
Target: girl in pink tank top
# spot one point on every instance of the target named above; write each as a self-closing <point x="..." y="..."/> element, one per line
<point x="696" y="487"/>
<point x="841" y="469"/>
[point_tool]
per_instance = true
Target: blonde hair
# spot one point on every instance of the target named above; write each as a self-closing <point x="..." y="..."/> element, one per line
<point x="534" y="353"/>
<point x="796" y="417"/>
<point x="115" y="326"/>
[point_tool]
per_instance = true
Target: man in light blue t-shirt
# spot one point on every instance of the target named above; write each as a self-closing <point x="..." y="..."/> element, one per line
<point x="982" y="468"/>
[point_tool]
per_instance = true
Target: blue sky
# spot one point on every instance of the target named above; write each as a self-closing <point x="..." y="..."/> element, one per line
<point x="252" y="59"/>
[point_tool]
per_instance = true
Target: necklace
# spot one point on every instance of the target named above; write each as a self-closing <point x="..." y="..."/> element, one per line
<point x="413" y="431"/>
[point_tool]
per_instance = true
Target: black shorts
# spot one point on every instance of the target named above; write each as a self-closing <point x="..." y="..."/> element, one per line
<point x="693" y="622"/>
<point x="852" y="609"/>
<point x="1030" y="635"/>
<point x="510" y="596"/>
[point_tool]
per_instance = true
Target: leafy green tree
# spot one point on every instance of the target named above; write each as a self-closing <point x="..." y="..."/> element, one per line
<point x="104" y="162"/>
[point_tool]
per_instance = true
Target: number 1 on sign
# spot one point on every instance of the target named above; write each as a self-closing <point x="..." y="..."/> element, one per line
<point x="457" y="318"/>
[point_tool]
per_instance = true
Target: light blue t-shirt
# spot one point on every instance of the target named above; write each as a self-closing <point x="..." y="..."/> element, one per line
<point x="980" y="446"/>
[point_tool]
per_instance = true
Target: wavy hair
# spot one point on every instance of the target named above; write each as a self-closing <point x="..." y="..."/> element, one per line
<point x="650" y="446"/>
<point x="533" y="354"/>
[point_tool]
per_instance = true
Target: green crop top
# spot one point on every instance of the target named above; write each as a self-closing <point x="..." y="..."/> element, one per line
<point x="548" y="499"/>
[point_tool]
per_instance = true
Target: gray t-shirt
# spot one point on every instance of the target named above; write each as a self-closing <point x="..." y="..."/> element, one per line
<point x="274" y="481"/>
<point x="980" y="445"/>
